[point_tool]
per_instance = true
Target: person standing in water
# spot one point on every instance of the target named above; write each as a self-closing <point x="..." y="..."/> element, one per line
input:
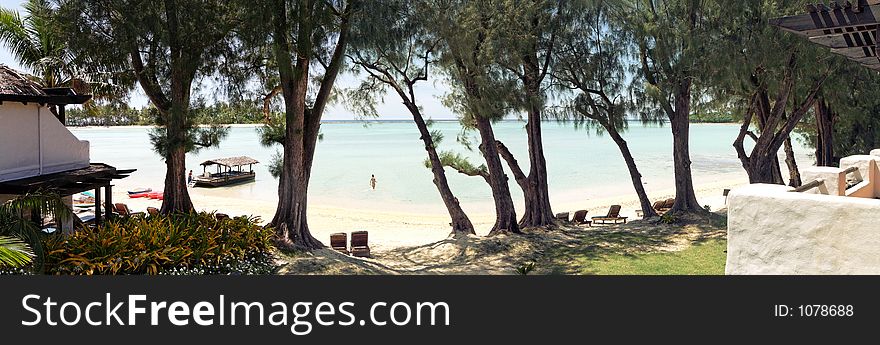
<point x="373" y="181"/>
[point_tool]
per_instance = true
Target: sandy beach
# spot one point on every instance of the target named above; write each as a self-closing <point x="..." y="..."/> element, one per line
<point x="394" y="229"/>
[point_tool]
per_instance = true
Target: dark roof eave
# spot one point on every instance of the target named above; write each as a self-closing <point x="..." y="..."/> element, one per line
<point x="46" y="99"/>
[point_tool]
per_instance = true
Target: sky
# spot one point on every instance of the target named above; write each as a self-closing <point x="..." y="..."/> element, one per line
<point x="428" y="94"/>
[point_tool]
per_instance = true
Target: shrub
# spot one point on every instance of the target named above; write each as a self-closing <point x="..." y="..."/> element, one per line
<point x="525" y="268"/>
<point x="175" y="244"/>
<point x="668" y="218"/>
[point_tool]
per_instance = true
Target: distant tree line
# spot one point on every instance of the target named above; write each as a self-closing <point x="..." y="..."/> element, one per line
<point x="114" y="115"/>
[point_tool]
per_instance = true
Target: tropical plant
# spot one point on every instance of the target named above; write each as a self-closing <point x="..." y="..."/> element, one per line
<point x="14" y="253"/>
<point x="173" y="244"/>
<point x="34" y="44"/>
<point x="525" y="268"/>
<point x="668" y="218"/>
<point x="16" y="219"/>
<point x="37" y="45"/>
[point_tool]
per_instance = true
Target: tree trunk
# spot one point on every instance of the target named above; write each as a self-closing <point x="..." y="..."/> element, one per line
<point x="505" y="214"/>
<point x="794" y="175"/>
<point x="644" y="201"/>
<point x="685" y="197"/>
<point x="176" y="195"/>
<point x="461" y="224"/>
<point x="302" y="124"/>
<point x="291" y="227"/>
<point x="537" y="212"/>
<point x="824" y="134"/>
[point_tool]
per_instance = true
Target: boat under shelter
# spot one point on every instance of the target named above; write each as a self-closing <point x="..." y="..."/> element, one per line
<point x="229" y="171"/>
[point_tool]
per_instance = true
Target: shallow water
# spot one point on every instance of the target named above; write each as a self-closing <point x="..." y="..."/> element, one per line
<point x="581" y="164"/>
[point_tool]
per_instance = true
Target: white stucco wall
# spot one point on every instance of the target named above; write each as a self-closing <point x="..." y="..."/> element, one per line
<point x="774" y="231"/>
<point x="33" y="142"/>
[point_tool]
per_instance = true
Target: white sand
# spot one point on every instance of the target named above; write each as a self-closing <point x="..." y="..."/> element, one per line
<point x="397" y="228"/>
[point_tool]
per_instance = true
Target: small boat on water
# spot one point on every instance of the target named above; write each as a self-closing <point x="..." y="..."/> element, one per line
<point x="229" y="171"/>
<point x="139" y="191"/>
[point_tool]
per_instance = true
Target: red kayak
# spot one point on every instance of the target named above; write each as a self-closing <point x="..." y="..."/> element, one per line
<point x="139" y="195"/>
<point x="156" y="195"/>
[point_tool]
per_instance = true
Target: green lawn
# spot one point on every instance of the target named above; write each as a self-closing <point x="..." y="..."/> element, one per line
<point x="706" y="258"/>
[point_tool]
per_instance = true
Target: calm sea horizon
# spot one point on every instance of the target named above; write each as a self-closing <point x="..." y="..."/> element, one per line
<point x="582" y="164"/>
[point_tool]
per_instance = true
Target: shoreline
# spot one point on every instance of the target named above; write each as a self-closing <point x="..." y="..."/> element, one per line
<point x="396" y="228"/>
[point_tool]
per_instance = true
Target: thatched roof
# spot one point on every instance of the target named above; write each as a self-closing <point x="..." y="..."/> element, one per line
<point x="13" y="82"/>
<point x="16" y="86"/>
<point x="231" y="161"/>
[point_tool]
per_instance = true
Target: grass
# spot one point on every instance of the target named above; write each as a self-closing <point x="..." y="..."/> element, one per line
<point x="706" y="258"/>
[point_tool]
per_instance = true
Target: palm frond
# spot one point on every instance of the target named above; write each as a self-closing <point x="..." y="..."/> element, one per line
<point x="14" y="253"/>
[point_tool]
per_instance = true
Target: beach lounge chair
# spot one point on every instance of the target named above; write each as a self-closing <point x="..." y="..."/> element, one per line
<point x="152" y="211"/>
<point x="359" y="246"/>
<point x="580" y="217"/>
<point x="221" y="216"/>
<point x="563" y="216"/>
<point x="663" y="206"/>
<point x="338" y="242"/>
<point x="123" y="210"/>
<point x="612" y="216"/>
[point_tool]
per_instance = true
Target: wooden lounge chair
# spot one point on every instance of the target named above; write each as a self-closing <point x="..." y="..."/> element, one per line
<point x="152" y="211"/>
<point x="338" y="242"/>
<point x="612" y="216"/>
<point x="663" y="206"/>
<point x="563" y="216"/>
<point x="221" y="216"/>
<point x="359" y="246"/>
<point x="123" y="210"/>
<point x="580" y="217"/>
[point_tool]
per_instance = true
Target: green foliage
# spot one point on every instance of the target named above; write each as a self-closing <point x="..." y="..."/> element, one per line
<point x="36" y="44"/>
<point x="180" y="243"/>
<point x="16" y="219"/>
<point x="14" y="253"/>
<point x="668" y="218"/>
<point x="525" y="268"/>
<point x="275" y="164"/>
<point x="459" y="163"/>
<point x="470" y="39"/>
<point x="854" y="100"/>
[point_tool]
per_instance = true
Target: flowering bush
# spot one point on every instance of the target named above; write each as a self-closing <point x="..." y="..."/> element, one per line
<point x="181" y="244"/>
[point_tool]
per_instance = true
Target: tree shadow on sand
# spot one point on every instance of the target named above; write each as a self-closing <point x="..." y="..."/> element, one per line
<point x="566" y="250"/>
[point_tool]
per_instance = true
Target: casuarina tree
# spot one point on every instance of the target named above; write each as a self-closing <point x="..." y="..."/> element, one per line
<point x="591" y="64"/>
<point x="167" y="46"/>
<point x="393" y="50"/>
<point x="479" y="90"/>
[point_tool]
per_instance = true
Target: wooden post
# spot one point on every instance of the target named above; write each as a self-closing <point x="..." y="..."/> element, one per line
<point x="108" y="200"/>
<point x="98" y="217"/>
<point x="61" y="115"/>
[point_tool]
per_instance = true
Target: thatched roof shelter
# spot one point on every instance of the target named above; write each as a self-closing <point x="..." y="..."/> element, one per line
<point x="19" y="87"/>
<point x="848" y="28"/>
<point x="231" y="161"/>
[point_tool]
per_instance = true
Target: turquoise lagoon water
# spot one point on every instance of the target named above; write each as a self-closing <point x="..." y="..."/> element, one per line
<point x="581" y="164"/>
